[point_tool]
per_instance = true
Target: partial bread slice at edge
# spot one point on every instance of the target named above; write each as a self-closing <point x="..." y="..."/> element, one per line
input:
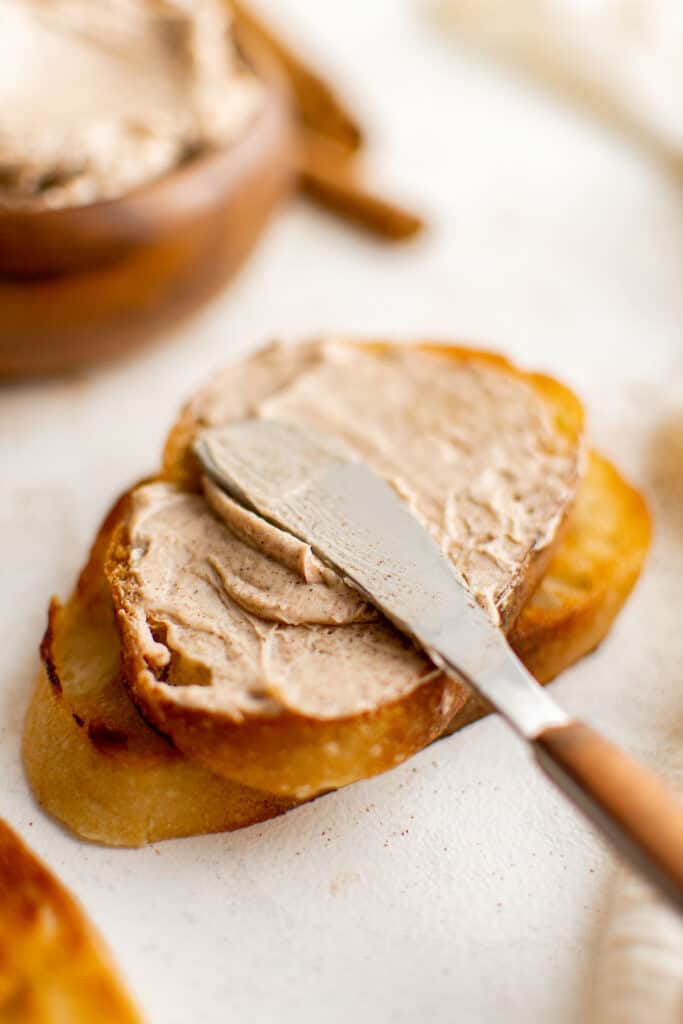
<point x="137" y="789"/>
<point x="293" y="753"/>
<point x="53" y="964"/>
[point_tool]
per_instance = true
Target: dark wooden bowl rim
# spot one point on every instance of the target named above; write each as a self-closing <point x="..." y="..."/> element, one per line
<point x="38" y="243"/>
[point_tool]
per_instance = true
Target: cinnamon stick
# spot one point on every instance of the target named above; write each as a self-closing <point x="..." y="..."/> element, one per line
<point x="316" y="103"/>
<point x="328" y="175"/>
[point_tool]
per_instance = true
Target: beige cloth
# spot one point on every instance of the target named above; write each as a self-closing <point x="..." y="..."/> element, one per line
<point x="640" y="963"/>
<point x="638" y="974"/>
<point x="622" y="58"/>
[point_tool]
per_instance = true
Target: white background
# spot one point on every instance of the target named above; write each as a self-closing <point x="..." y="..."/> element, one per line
<point x="458" y="887"/>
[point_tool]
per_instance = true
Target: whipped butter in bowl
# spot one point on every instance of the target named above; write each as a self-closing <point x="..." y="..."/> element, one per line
<point x="132" y="136"/>
<point x="101" y="98"/>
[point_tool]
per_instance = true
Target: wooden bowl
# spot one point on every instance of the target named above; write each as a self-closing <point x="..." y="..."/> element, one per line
<point x="81" y="284"/>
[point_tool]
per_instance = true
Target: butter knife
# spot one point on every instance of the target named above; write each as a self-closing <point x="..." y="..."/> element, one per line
<point x="307" y="484"/>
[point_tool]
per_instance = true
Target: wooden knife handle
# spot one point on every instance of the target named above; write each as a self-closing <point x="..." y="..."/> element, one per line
<point x="629" y="803"/>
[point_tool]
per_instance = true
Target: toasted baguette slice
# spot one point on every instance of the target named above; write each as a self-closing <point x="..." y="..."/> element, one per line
<point x="53" y="965"/>
<point x="137" y="789"/>
<point x="274" y="737"/>
<point x="91" y="760"/>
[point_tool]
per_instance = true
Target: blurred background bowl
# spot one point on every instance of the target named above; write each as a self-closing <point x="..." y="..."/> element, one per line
<point x="82" y="284"/>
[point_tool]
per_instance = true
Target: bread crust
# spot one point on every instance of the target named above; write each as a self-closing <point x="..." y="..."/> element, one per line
<point x="53" y="964"/>
<point x="590" y="576"/>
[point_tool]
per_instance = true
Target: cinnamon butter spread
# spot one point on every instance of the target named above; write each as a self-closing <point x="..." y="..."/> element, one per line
<point x="246" y="618"/>
<point x="98" y="97"/>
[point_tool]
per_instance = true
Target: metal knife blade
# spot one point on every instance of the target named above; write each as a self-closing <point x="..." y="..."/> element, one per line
<point x="306" y="483"/>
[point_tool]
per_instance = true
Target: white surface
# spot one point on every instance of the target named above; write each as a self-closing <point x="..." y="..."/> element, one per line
<point x="458" y="887"/>
<point x="620" y="56"/>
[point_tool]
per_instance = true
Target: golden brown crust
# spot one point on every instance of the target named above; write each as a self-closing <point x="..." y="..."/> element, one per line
<point x="53" y="965"/>
<point x="291" y="755"/>
<point x="111" y="794"/>
<point x="590" y="576"/>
